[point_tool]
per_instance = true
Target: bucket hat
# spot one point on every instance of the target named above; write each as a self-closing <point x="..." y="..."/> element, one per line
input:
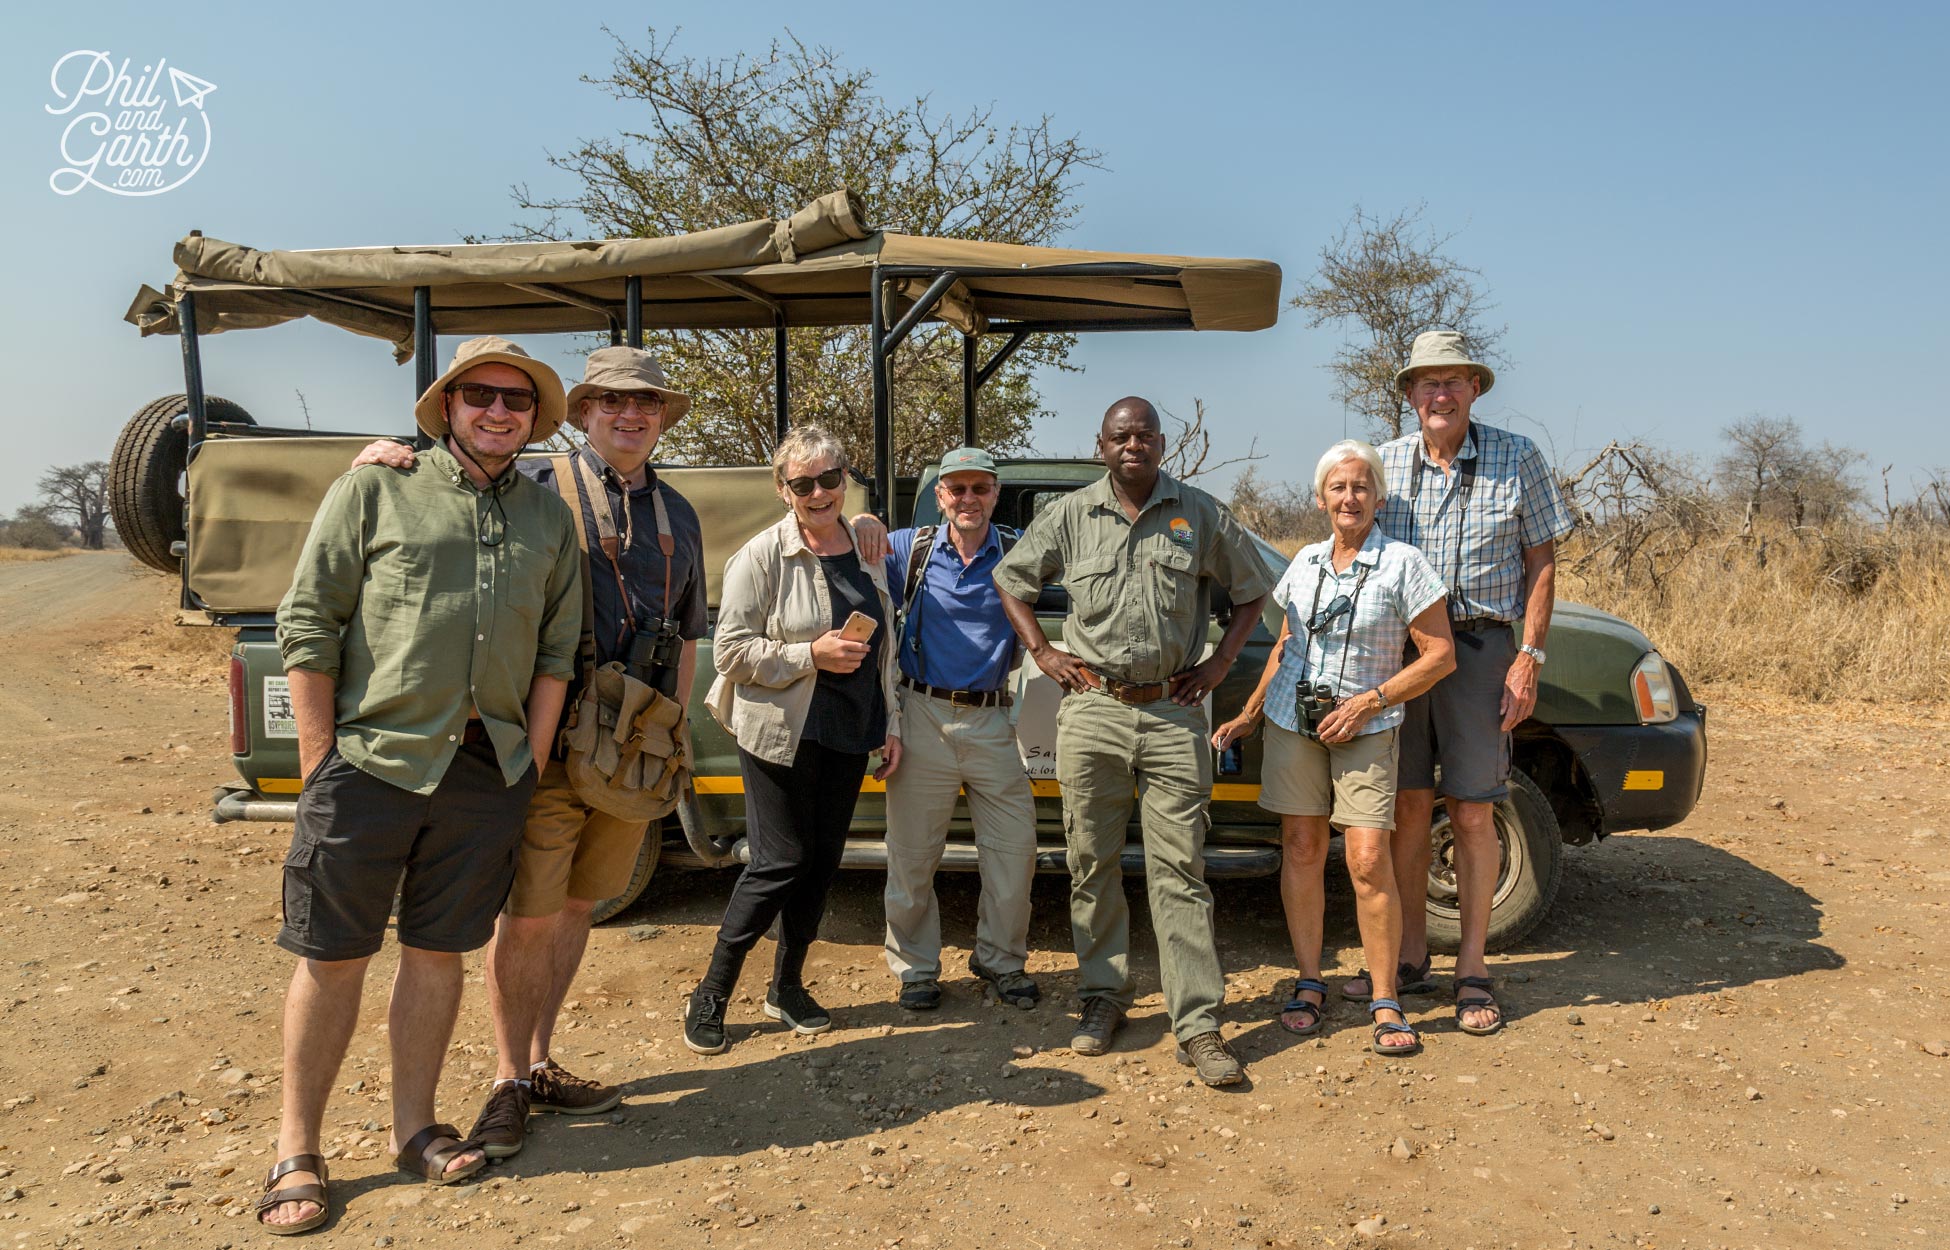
<point x="1442" y="349"/>
<point x="626" y="369"/>
<point x="431" y="410"/>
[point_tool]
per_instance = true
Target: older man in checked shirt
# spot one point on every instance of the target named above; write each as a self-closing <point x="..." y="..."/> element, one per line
<point x="1484" y="508"/>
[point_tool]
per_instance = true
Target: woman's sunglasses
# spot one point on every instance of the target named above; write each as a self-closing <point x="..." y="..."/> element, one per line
<point x="1326" y="617"/>
<point x="803" y="486"/>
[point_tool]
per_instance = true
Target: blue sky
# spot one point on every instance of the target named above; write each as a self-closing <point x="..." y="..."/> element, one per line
<point x="1685" y="213"/>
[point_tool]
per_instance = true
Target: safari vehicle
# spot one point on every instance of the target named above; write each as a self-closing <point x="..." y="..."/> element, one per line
<point x="200" y="489"/>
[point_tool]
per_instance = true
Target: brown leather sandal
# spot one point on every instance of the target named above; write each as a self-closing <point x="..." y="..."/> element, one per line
<point x="418" y="1158"/>
<point x="296" y="1193"/>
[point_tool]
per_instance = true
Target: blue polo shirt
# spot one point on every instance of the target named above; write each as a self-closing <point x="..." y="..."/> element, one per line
<point x="959" y="639"/>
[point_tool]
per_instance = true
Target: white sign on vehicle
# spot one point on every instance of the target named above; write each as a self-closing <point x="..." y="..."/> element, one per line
<point x="279" y="721"/>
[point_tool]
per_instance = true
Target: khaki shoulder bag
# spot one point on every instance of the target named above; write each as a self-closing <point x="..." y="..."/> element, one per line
<point x="626" y="744"/>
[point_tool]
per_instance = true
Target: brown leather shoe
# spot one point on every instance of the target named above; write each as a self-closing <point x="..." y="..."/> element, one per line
<point x="503" y="1123"/>
<point x="561" y="1091"/>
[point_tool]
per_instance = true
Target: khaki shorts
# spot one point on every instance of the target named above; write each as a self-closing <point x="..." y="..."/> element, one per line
<point x="570" y="850"/>
<point x="1352" y="783"/>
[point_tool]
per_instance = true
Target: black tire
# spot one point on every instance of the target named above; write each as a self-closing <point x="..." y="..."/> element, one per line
<point x="145" y="476"/>
<point x="646" y="868"/>
<point x="1532" y="870"/>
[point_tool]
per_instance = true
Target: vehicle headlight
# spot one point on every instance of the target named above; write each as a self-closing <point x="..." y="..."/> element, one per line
<point x="1652" y="690"/>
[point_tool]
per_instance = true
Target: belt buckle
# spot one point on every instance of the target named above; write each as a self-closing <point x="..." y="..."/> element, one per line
<point x="964" y="698"/>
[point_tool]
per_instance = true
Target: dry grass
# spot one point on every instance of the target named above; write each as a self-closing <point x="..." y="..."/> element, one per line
<point x="178" y="654"/>
<point x="1850" y="613"/>
<point x="22" y="555"/>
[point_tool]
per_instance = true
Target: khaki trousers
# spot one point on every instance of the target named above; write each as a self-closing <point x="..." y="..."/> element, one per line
<point x="945" y="750"/>
<point x="1106" y="750"/>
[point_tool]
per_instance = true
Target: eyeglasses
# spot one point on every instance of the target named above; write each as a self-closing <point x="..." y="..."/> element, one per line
<point x="477" y="395"/>
<point x="649" y="403"/>
<point x="803" y="486"/>
<point x="980" y="490"/>
<point x="1432" y="386"/>
<point x="1325" y="618"/>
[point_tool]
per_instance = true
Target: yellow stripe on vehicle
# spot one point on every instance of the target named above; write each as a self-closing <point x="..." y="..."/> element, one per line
<point x="1645" y="779"/>
<point x="1224" y="792"/>
<point x="280" y="785"/>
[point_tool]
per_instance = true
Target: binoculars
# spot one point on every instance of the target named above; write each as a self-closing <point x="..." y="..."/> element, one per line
<point x="1315" y="701"/>
<point x="653" y="655"/>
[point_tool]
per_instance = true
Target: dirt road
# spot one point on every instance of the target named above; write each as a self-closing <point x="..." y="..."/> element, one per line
<point x="1730" y="1034"/>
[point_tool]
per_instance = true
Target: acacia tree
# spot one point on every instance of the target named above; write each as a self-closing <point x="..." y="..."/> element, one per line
<point x="78" y="493"/>
<point x="728" y="140"/>
<point x="1386" y="281"/>
<point x="1769" y="469"/>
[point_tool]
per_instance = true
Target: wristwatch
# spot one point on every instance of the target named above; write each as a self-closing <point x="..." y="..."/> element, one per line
<point x="1535" y="653"/>
<point x="1383" y="699"/>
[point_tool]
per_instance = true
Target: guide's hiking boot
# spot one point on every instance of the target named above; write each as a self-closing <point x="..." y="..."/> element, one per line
<point x="704" y="1023"/>
<point x="1097" y="1023"/>
<point x="920" y="995"/>
<point x="1216" y="1063"/>
<point x="503" y="1123"/>
<point x="561" y="1091"/>
<point x="798" y="1009"/>
<point x="1016" y="988"/>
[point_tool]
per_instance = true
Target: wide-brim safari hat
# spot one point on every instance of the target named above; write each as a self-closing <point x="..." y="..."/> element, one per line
<point x="626" y="369"/>
<point x="550" y="408"/>
<point x="1443" y="349"/>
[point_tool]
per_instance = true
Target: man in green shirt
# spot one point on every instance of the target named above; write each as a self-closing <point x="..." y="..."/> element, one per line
<point x="429" y="635"/>
<point x="1138" y="553"/>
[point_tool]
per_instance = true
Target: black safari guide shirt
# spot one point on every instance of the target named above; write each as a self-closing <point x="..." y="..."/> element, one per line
<point x="397" y="598"/>
<point x="1140" y="591"/>
<point x="643" y="563"/>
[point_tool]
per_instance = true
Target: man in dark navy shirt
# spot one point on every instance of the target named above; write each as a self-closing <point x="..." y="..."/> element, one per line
<point x="956" y="654"/>
<point x="573" y="856"/>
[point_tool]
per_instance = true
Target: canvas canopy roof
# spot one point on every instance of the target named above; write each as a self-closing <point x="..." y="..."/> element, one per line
<point x="813" y="269"/>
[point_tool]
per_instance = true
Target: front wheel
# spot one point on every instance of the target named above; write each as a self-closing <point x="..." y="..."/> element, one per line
<point x="646" y="867"/>
<point x="1530" y="870"/>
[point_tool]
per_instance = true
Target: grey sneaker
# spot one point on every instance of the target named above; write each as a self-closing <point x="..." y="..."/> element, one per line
<point x="1216" y="1063"/>
<point x="1017" y="988"/>
<point x="1096" y="1025"/>
<point x="920" y="995"/>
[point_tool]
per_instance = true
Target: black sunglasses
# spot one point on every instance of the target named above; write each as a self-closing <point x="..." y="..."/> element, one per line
<point x="1324" y="618"/>
<point x="514" y="398"/>
<point x="803" y="486"/>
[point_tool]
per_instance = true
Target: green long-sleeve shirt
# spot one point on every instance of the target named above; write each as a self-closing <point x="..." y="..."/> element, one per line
<point x="397" y="598"/>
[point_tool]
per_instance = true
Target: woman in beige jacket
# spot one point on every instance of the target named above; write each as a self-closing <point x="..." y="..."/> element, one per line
<point x="807" y="706"/>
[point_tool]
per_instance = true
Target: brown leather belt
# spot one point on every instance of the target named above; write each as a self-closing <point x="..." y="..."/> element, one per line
<point x="1477" y="624"/>
<point x="961" y="698"/>
<point x="1131" y="692"/>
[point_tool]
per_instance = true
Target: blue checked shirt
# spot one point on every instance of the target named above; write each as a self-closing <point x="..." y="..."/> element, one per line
<point x="1399" y="587"/>
<point x="1477" y="545"/>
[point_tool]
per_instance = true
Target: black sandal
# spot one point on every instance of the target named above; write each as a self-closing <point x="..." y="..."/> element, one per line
<point x="1385" y="1028"/>
<point x="1318" y="1011"/>
<point x="1478" y="1004"/>
<point x="296" y="1193"/>
<point x="1409" y="979"/>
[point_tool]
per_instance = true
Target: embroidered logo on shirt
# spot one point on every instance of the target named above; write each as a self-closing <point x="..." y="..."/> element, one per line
<point x="1181" y="531"/>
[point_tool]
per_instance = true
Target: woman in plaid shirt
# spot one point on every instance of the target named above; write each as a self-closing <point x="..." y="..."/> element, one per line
<point x="1331" y="695"/>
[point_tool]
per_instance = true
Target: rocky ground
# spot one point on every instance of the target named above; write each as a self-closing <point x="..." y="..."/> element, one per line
<point x="1730" y="1033"/>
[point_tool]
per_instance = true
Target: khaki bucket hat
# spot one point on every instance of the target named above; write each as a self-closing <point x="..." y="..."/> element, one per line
<point x="1442" y="349"/>
<point x="431" y="410"/>
<point x="626" y="369"/>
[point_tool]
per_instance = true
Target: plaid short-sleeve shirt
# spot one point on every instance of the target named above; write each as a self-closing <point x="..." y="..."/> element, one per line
<point x="1475" y="540"/>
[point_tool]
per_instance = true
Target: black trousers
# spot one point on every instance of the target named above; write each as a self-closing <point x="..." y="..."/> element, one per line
<point x="796" y="819"/>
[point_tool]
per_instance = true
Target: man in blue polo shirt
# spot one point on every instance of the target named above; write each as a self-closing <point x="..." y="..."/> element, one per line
<point x="956" y="653"/>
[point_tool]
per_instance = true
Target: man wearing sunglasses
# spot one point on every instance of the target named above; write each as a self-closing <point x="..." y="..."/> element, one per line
<point x="1484" y="507"/>
<point x="956" y="654"/>
<point x="428" y="635"/>
<point x="574" y="856"/>
<point x="1139" y="553"/>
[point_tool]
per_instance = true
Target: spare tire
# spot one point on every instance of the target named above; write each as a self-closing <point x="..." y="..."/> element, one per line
<point x="145" y="476"/>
